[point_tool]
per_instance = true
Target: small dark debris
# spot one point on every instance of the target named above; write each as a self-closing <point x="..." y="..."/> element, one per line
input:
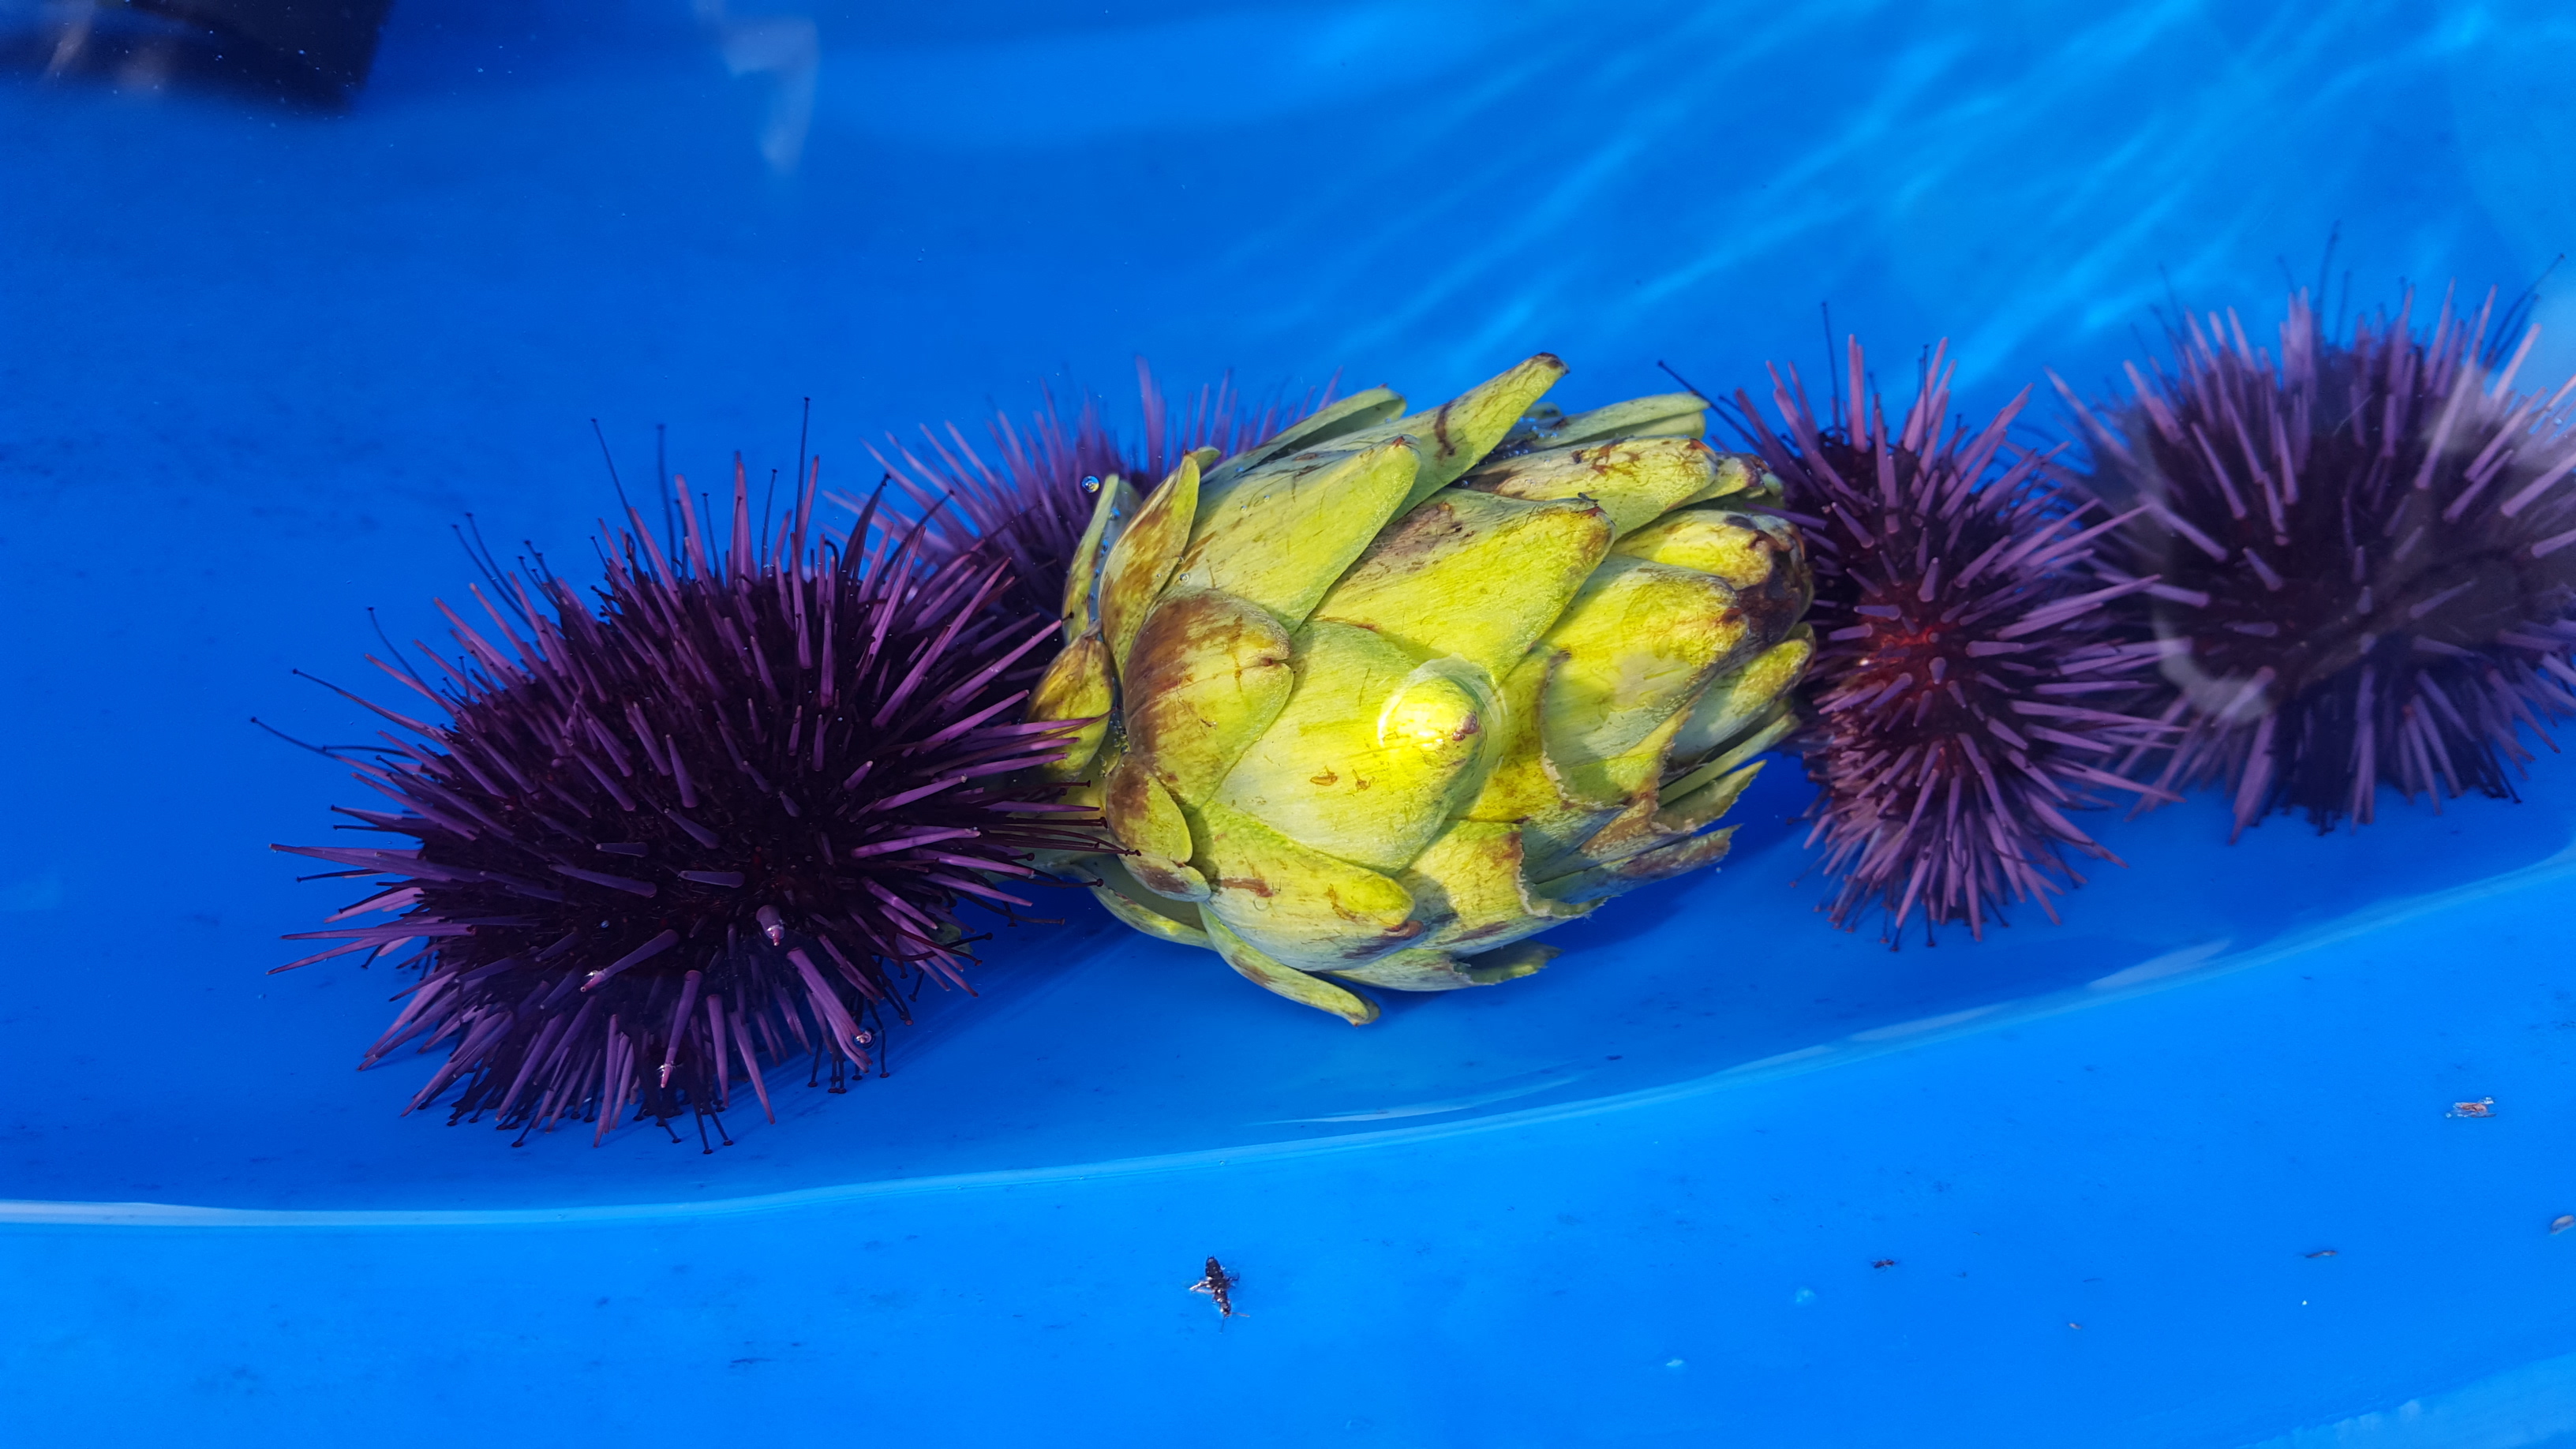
<point x="1219" y="1285"/>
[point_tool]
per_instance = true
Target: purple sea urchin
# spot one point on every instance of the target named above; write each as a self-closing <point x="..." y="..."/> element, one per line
<point x="1033" y="503"/>
<point x="702" y="829"/>
<point x="1967" y="684"/>
<point x="2364" y="556"/>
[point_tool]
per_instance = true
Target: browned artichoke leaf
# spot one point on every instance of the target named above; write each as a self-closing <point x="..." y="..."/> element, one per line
<point x="1635" y="480"/>
<point x="1641" y="641"/>
<point x="1745" y="549"/>
<point x="1736" y="699"/>
<point x="1259" y="968"/>
<point x="1469" y="889"/>
<point x="1457" y="434"/>
<point x="1650" y="824"/>
<point x="1740" y="476"/>
<point x="1659" y="820"/>
<point x="1418" y="969"/>
<point x="1694" y="803"/>
<point x="1207" y="674"/>
<point x="1147" y="911"/>
<point x="1621" y="876"/>
<point x="1076" y="686"/>
<point x="1412" y="969"/>
<point x="1509" y="963"/>
<point x="1142" y="559"/>
<point x="1145" y="819"/>
<point x="1300" y="906"/>
<point x="1609" y="806"/>
<point x="1759" y="556"/>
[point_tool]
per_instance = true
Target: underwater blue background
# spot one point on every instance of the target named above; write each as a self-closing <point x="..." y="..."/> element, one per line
<point x="255" y="360"/>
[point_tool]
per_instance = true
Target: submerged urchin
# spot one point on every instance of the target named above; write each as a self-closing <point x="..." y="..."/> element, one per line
<point x="2364" y="552"/>
<point x="1035" y="498"/>
<point x="1968" y="689"/>
<point x="709" y="825"/>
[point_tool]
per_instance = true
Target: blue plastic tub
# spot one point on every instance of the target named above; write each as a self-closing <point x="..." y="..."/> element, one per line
<point x="2180" y="1171"/>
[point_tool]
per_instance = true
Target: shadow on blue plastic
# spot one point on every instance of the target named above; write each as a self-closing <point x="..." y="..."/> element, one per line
<point x="1096" y="1052"/>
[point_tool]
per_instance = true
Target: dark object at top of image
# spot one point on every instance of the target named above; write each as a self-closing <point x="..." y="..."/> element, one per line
<point x="309" y="52"/>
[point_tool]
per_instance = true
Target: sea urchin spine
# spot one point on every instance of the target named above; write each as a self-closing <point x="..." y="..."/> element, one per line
<point x="1968" y="687"/>
<point x="2365" y="556"/>
<point x="703" y="829"/>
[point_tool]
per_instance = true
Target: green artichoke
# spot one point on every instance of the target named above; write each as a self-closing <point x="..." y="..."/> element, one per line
<point x="1380" y="698"/>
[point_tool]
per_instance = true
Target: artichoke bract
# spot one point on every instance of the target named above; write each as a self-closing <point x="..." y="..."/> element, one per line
<point x="1378" y="699"/>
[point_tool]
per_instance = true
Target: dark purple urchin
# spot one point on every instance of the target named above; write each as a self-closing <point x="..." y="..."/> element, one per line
<point x="1967" y="686"/>
<point x="2364" y="556"/>
<point x="1035" y="502"/>
<point x="703" y="828"/>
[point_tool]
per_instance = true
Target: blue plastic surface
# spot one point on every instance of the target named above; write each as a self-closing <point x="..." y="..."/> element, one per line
<point x="2177" y="1172"/>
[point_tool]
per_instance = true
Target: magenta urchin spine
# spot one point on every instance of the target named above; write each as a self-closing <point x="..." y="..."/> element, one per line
<point x="710" y="826"/>
<point x="2365" y="556"/>
<point x="1969" y="691"/>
